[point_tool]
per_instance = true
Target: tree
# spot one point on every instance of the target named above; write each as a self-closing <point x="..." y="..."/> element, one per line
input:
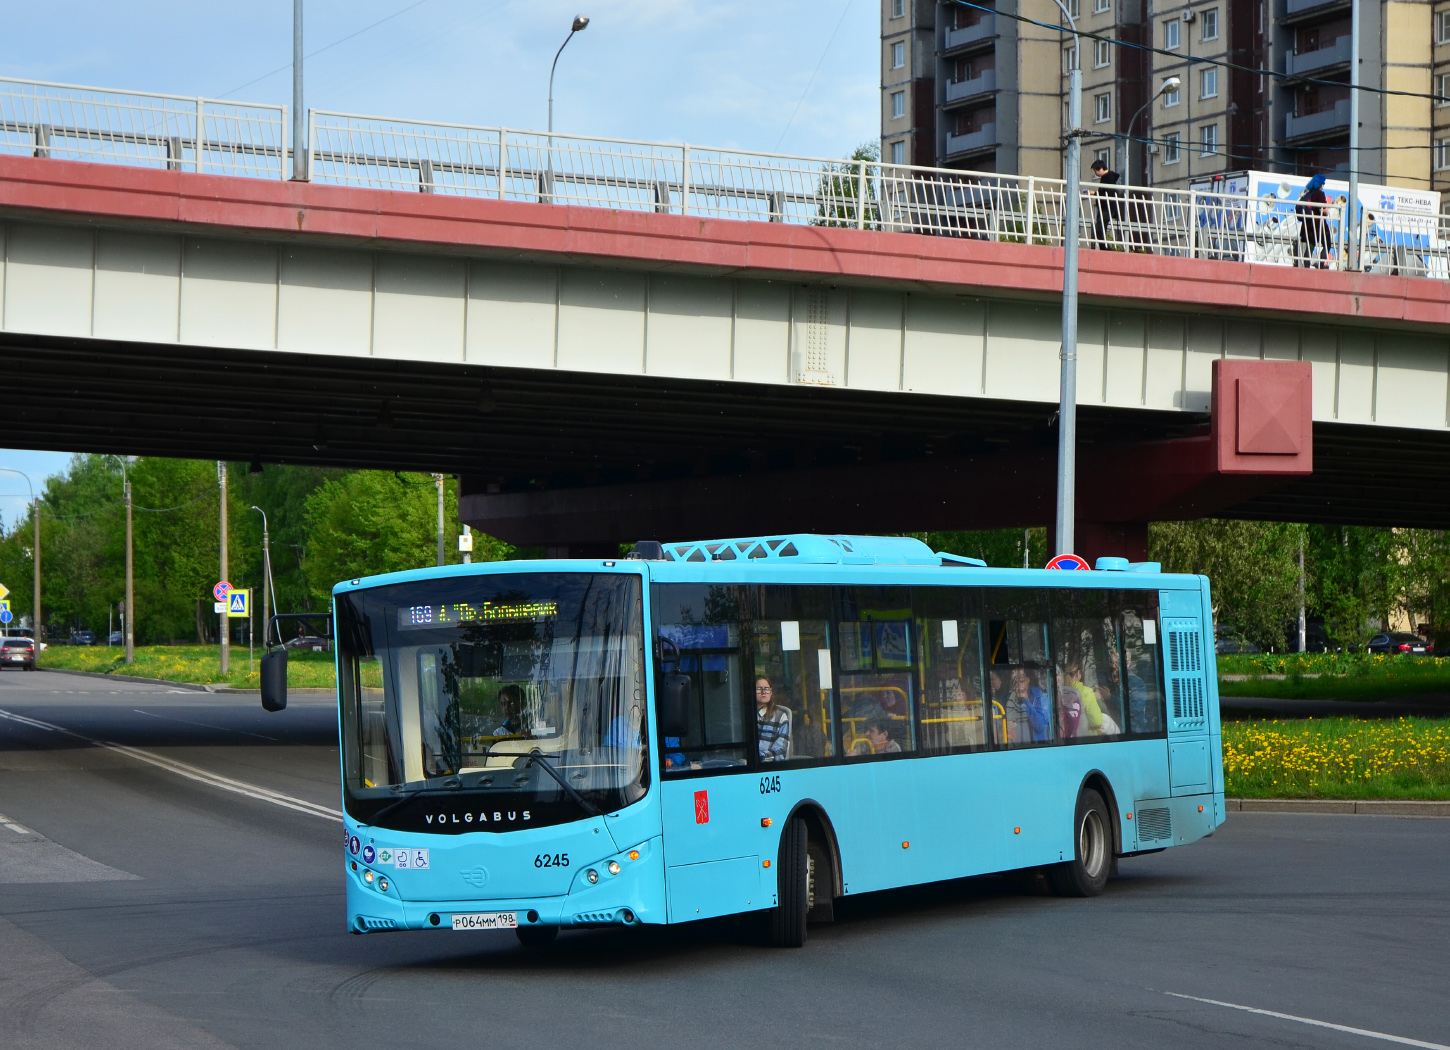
<point x="1000" y="548"/>
<point x="841" y="184"/>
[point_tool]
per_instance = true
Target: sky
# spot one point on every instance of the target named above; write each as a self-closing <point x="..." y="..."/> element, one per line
<point x="788" y="76"/>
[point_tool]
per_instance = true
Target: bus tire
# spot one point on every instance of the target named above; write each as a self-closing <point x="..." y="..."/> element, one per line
<point x="787" y="923"/>
<point x="1087" y="873"/>
<point x="536" y="936"/>
<point x="820" y="885"/>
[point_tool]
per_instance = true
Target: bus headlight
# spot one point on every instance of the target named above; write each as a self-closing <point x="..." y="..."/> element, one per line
<point x="383" y="884"/>
<point x="613" y="867"/>
<point x="368" y="877"/>
<point x="592" y="875"/>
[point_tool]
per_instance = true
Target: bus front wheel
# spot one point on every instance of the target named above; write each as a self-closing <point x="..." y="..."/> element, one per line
<point x="1087" y="873"/>
<point x="787" y="922"/>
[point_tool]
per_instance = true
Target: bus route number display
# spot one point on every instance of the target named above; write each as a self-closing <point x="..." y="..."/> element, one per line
<point x="446" y="614"/>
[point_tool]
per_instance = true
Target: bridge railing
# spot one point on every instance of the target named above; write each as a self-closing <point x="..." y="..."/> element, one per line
<point x="141" y="129"/>
<point x="197" y="134"/>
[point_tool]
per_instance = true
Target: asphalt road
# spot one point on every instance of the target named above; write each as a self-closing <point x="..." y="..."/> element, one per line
<point x="142" y="907"/>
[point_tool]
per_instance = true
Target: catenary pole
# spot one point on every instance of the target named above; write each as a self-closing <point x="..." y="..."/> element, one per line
<point x="1352" y="219"/>
<point x="438" y="481"/>
<point x="266" y="574"/>
<point x="1067" y="397"/>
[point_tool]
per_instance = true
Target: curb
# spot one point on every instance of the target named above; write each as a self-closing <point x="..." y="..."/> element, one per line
<point x="225" y="690"/>
<point x="1372" y="807"/>
<point x="127" y="678"/>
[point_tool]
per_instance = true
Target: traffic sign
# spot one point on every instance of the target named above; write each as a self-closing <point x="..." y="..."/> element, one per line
<point x="239" y="603"/>
<point x="218" y="607"/>
<point x="221" y="590"/>
<point x="1069" y="561"/>
<point x="4" y="590"/>
<point x="6" y="616"/>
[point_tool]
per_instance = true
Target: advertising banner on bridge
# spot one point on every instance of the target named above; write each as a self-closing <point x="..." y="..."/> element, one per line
<point x="1400" y="229"/>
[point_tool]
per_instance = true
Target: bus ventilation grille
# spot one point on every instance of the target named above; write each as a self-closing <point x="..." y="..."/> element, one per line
<point x="1187" y="700"/>
<point x="593" y="917"/>
<point x="1154" y="825"/>
<point x="367" y="922"/>
<point x="1183" y="652"/>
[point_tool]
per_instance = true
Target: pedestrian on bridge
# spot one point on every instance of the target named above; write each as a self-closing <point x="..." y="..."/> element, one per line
<point x="1106" y="210"/>
<point x="1311" y="212"/>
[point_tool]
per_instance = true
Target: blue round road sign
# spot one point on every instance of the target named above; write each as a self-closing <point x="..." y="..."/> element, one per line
<point x="6" y="616"/>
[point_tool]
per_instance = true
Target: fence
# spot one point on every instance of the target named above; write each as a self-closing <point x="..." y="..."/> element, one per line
<point x="136" y="128"/>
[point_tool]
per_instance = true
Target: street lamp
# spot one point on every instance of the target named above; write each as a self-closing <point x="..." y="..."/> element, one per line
<point x="581" y="22"/>
<point x="128" y="614"/>
<point x="1169" y="84"/>
<point x="1067" y="396"/>
<point x="35" y="518"/>
<point x="267" y="583"/>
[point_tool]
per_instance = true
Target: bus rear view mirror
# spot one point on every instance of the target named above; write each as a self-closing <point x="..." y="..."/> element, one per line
<point x="674" y="695"/>
<point x="274" y="680"/>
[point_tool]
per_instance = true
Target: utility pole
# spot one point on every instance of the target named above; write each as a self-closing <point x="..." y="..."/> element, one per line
<point x="225" y="624"/>
<point x="468" y="554"/>
<point x="128" y="617"/>
<point x="299" y="114"/>
<point x="1303" y="628"/>
<point x="438" y="480"/>
<point x="35" y="621"/>
<point x="266" y="573"/>
<point x="1067" y="398"/>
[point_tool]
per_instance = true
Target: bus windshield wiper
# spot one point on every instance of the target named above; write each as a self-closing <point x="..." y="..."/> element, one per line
<point x="415" y="793"/>
<point x="536" y="754"/>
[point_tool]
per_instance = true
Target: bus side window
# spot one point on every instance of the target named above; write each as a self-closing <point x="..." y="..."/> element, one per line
<point x="1019" y="674"/>
<point x="794" y="657"/>
<point x="1142" y="660"/>
<point x="952" y="709"/>
<point x="1087" y="661"/>
<point x="715" y="736"/>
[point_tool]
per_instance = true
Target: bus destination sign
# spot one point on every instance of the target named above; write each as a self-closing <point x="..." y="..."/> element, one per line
<point x="417" y="617"/>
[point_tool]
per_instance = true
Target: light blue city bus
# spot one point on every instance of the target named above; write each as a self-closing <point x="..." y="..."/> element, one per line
<point x="761" y="726"/>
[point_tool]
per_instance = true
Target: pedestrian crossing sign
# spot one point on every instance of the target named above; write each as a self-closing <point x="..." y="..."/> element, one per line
<point x="239" y="603"/>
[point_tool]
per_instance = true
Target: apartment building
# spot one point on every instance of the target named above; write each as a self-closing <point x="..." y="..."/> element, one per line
<point x="908" y="81"/>
<point x="1114" y="85"/>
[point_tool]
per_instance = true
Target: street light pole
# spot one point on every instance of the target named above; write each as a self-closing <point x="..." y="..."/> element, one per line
<point x="1352" y="212"/>
<point x="225" y="620"/>
<point x="438" y="481"/>
<point x="1067" y="397"/>
<point x="266" y="574"/>
<point x="35" y="560"/>
<point x="1169" y="84"/>
<point x="581" y="22"/>
<point x="128" y="614"/>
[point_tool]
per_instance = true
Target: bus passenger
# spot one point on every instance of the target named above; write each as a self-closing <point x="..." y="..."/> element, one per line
<point x="1029" y="711"/>
<point x="879" y="735"/>
<point x="1091" y="723"/>
<point x="772" y="721"/>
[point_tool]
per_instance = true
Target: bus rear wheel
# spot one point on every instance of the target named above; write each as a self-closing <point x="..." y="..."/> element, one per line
<point x="786" y="926"/>
<point x="536" y="936"/>
<point x="1087" y="873"/>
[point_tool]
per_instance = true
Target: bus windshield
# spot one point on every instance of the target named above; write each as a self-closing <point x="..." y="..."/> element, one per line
<point x="492" y="702"/>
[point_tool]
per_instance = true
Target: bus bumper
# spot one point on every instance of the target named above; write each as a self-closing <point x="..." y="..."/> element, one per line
<point x="636" y="895"/>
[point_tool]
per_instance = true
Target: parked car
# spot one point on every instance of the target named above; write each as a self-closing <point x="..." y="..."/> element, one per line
<point x="16" y="651"/>
<point x="1400" y="642"/>
<point x="83" y="638"/>
<point x="307" y="641"/>
<point x="116" y="638"/>
<point x="1230" y="640"/>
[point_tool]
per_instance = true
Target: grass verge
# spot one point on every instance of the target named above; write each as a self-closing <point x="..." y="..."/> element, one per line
<point x="200" y="664"/>
<point x="1333" y="676"/>
<point x="1408" y="758"/>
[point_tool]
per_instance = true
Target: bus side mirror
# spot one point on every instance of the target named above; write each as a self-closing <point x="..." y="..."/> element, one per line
<point x="674" y="694"/>
<point x="274" y="680"/>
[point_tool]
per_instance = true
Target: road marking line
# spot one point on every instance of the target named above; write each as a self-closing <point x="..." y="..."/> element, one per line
<point x="7" y="822"/>
<point x="1318" y="1024"/>
<point x="191" y="772"/>
<point x="204" y="725"/>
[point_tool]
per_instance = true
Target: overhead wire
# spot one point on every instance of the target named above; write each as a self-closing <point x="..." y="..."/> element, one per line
<point x="815" y="72"/>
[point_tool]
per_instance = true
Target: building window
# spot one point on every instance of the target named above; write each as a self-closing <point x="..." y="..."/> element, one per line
<point x="1170" y="148"/>
<point x="1171" y="96"/>
<point x="1099" y="6"/>
<point x="1102" y="53"/>
<point x="898" y="55"/>
<point x="1209" y="20"/>
<point x="1208" y="140"/>
<point x="1074" y="8"/>
<point x="898" y="105"/>
<point x="1208" y="83"/>
<point x="1105" y="157"/>
<point x="1170" y="35"/>
<point x="1442" y="83"/>
<point x="1069" y="59"/>
<point x="1102" y="107"/>
<point x="1442" y="27"/>
<point x="898" y="8"/>
<point x="898" y="153"/>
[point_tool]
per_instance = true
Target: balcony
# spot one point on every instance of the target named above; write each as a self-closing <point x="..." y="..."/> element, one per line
<point x="985" y="29"/>
<point x="1324" y="122"/>
<point x="960" y="90"/>
<point x="985" y="138"/>
<point x="1307" y="62"/>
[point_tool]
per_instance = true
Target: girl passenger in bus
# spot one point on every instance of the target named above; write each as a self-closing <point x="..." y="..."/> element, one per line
<point x="772" y="720"/>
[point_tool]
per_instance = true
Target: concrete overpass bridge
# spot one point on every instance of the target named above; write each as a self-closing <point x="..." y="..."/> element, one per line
<point x="827" y="349"/>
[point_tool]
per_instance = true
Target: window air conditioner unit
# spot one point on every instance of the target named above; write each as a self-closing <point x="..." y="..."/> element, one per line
<point x="1189" y="16"/>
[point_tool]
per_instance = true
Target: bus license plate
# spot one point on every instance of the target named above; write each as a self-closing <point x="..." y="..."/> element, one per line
<point x="487" y="920"/>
